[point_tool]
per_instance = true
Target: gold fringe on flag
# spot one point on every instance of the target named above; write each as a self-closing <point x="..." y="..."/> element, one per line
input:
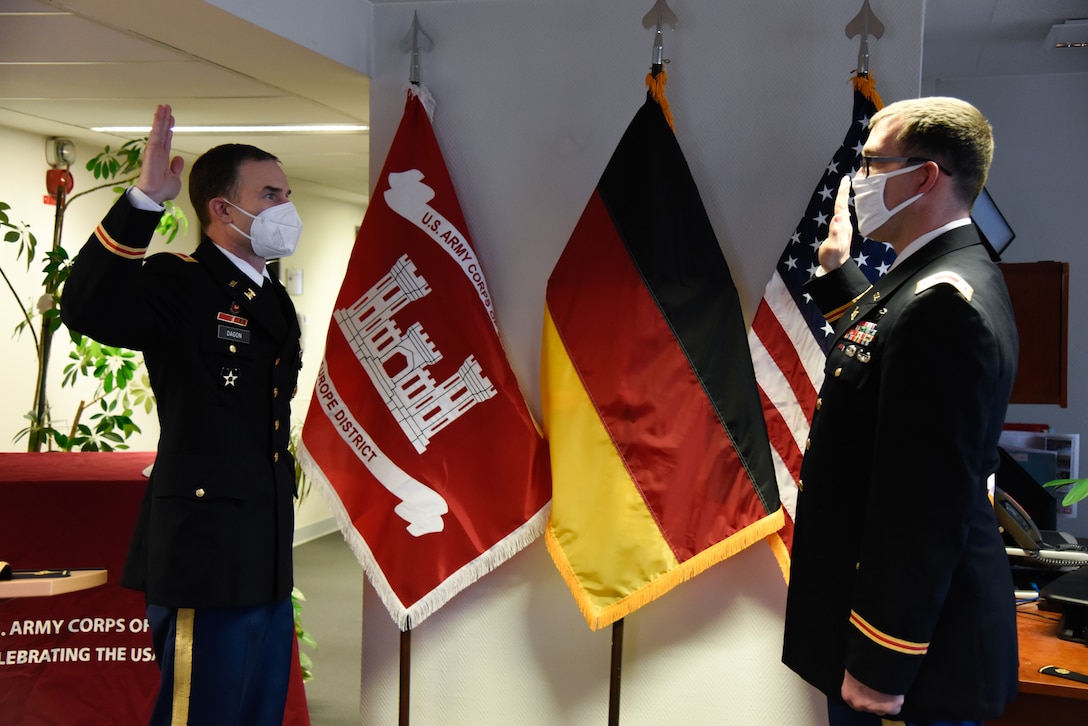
<point x="656" y="84"/>
<point x="781" y="554"/>
<point x="598" y="616"/>
<point x="866" y="85"/>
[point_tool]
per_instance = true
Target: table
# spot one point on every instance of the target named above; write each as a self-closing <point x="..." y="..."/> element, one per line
<point x="84" y="657"/>
<point x="46" y="586"/>
<point x="1046" y="700"/>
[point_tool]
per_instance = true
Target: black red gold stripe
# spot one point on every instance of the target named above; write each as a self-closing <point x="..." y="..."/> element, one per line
<point x="884" y="639"/>
<point x="111" y="244"/>
<point x="838" y="312"/>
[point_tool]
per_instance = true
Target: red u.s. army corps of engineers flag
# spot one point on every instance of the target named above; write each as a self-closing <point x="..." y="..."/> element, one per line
<point x="435" y="469"/>
<point x="660" y="460"/>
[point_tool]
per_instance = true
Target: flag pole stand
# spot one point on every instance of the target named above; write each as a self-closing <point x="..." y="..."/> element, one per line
<point x="614" y="673"/>
<point x="405" y="675"/>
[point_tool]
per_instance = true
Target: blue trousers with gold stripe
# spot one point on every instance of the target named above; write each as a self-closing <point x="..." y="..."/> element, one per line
<point x="222" y="667"/>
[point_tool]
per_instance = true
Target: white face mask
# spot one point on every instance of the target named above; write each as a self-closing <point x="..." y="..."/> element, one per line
<point x="869" y="200"/>
<point x="274" y="232"/>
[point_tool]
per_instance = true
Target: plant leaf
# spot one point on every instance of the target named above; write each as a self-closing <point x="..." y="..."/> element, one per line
<point x="1053" y="483"/>
<point x="1078" y="491"/>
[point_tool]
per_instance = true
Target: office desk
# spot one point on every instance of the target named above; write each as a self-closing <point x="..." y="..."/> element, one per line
<point x="80" y="657"/>
<point x="1046" y="700"/>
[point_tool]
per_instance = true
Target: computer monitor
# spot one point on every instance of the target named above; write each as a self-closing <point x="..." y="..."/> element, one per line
<point x="992" y="225"/>
<point x="1038" y="502"/>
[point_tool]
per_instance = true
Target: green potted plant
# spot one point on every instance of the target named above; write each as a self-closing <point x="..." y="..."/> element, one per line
<point x="120" y="385"/>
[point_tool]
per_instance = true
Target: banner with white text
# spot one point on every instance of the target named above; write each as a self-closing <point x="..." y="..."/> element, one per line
<point x="434" y="466"/>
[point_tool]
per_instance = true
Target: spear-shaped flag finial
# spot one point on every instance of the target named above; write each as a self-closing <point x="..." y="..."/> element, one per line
<point x="660" y="15"/>
<point x="414" y="41"/>
<point x="865" y="24"/>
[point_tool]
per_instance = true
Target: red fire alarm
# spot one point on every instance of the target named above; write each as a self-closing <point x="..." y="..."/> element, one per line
<point x="56" y="179"/>
<point x="60" y="154"/>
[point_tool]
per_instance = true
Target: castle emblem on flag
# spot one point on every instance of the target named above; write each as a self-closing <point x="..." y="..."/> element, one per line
<point x="396" y="361"/>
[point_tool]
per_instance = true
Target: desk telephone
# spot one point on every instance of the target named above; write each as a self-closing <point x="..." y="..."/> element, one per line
<point x="1035" y="548"/>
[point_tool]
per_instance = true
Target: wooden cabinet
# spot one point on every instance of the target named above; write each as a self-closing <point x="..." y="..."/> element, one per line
<point x="1040" y="299"/>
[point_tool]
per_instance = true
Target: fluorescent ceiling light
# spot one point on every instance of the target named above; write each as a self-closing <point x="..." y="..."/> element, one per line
<point x="237" y="129"/>
<point x="1068" y="34"/>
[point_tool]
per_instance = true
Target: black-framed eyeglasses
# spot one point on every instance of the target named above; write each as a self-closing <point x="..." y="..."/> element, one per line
<point x="867" y="160"/>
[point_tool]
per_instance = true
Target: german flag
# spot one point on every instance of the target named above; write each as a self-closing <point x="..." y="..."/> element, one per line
<point x="660" y="461"/>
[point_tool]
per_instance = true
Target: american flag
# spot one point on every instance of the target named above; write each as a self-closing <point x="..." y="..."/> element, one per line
<point x="789" y="337"/>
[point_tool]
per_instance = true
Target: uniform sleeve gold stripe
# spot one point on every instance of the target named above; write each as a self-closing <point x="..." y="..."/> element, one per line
<point x="833" y="315"/>
<point x="129" y="253"/>
<point x="183" y="666"/>
<point x="883" y="639"/>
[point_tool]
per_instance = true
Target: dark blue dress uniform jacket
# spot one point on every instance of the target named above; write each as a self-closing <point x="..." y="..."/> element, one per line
<point x="217" y="520"/>
<point x="899" y="573"/>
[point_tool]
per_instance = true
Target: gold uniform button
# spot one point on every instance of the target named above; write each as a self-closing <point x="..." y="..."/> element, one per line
<point x="277" y="362"/>
<point x="294" y="392"/>
<point x="808" y="444"/>
<point x="276" y="456"/>
<point x="276" y="425"/>
<point x="199" y="493"/>
<point x="819" y="403"/>
<point x="800" y="485"/>
<point x="233" y="349"/>
<point x="838" y="372"/>
<point x="275" y="392"/>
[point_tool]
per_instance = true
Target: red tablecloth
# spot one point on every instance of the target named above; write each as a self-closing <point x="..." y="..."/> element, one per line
<point x="82" y="658"/>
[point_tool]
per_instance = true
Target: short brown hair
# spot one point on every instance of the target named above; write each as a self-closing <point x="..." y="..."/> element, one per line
<point x="215" y="174"/>
<point x="949" y="131"/>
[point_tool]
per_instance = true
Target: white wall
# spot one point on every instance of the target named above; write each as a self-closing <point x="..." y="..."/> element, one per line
<point x="532" y="98"/>
<point x="1037" y="180"/>
<point x="329" y="232"/>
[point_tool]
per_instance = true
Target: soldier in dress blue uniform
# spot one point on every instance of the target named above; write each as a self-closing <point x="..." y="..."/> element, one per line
<point x="212" y="543"/>
<point x="900" y="599"/>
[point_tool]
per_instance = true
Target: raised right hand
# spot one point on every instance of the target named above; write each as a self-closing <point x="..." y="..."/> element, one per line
<point x="835" y="250"/>
<point x="160" y="176"/>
